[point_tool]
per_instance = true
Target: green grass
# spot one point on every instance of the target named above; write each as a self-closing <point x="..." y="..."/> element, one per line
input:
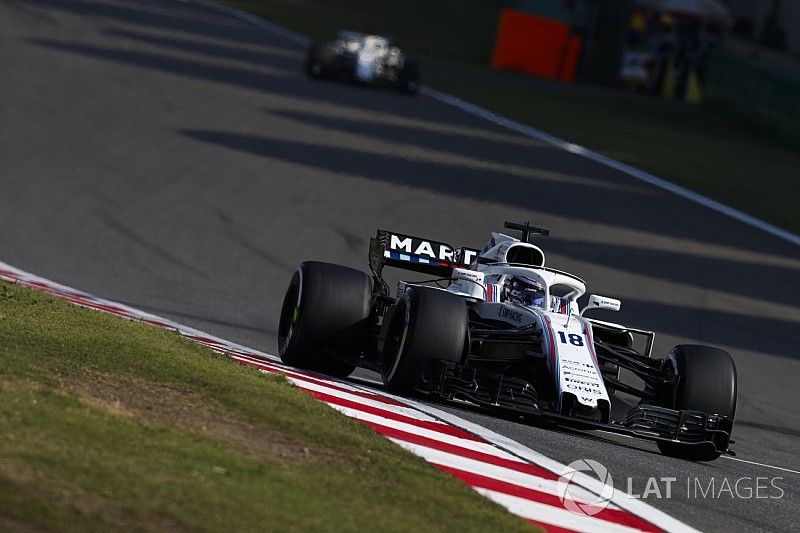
<point x="690" y="145"/>
<point x="106" y="423"/>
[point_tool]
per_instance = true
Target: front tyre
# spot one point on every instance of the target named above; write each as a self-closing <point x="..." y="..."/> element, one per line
<point x="426" y="323"/>
<point x="326" y="311"/>
<point x="706" y="382"/>
<point x="315" y="62"/>
<point x="409" y="78"/>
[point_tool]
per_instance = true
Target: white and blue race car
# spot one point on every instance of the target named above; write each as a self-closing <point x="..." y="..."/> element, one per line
<point x="502" y="331"/>
<point x="363" y="58"/>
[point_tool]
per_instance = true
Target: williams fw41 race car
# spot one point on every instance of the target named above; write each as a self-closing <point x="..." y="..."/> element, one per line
<point x="500" y="330"/>
<point x="363" y="58"/>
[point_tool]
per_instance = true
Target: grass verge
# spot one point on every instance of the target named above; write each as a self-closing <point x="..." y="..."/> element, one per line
<point x="107" y="423"/>
<point x="690" y="145"/>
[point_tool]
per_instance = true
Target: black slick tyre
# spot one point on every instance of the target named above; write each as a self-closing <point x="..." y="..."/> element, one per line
<point x="409" y="78"/>
<point x="427" y="323"/>
<point x="326" y="311"/>
<point x="315" y="65"/>
<point x="706" y="382"/>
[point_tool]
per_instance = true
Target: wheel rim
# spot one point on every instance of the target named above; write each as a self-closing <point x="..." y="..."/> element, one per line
<point x="290" y="312"/>
<point x="316" y="68"/>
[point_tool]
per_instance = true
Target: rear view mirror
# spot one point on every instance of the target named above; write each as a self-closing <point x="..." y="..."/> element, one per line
<point x="602" y="302"/>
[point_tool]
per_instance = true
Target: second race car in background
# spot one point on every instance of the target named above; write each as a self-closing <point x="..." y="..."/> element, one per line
<point x="363" y="58"/>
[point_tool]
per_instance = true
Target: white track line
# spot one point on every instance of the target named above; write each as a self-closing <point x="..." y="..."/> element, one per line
<point x="542" y="136"/>
<point x="371" y="382"/>
<point x="620" y="498"/>
<point x="286" y="33"/>
<point x="548" y="514"/>
<point x="499" y="473"/>
<point x="729" y="458"/>
<point x="631" y="171"/>
<point x="483" y="447"/>
<point x="315" y="387"/>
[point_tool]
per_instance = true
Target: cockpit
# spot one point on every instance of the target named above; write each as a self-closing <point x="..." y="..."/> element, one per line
<point x="514" y="271"/>
<point x="524" y="291"/>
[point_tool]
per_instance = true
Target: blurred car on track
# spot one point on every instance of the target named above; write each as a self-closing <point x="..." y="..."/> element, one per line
<point x="363" y="58"/>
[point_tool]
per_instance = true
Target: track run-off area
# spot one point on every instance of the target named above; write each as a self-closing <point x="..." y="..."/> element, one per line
<point x="523" y="481"/>
<point x="173" y="157"/>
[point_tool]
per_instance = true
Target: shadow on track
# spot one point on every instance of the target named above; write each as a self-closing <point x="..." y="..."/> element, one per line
<point x="283" y="80"/>
<point x="729" y="328"/>
<point x="281" y="76"/>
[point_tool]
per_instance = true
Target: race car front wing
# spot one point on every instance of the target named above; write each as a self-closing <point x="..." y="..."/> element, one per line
<point x="494" y="391"/>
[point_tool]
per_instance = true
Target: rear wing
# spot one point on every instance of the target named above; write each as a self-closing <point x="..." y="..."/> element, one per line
<point x="389" y="248"/>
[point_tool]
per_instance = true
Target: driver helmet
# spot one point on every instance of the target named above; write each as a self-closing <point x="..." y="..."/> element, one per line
<point x="524" y="291"/>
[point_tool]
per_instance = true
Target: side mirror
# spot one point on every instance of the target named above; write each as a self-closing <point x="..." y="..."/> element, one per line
<point x="601" y="302"/>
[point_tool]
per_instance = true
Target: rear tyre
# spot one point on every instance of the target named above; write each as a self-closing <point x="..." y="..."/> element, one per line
<point x="706" y="382"/>
<point x="427" y="323"/>
<point x="409" y="78"/>
<point x="326" y="310"/>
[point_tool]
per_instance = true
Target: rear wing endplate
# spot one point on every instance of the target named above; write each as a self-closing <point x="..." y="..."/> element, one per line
<point x="389" y="248"/>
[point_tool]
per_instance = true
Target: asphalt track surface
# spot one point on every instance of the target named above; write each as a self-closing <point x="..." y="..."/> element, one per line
<point x="175" y="159"/>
